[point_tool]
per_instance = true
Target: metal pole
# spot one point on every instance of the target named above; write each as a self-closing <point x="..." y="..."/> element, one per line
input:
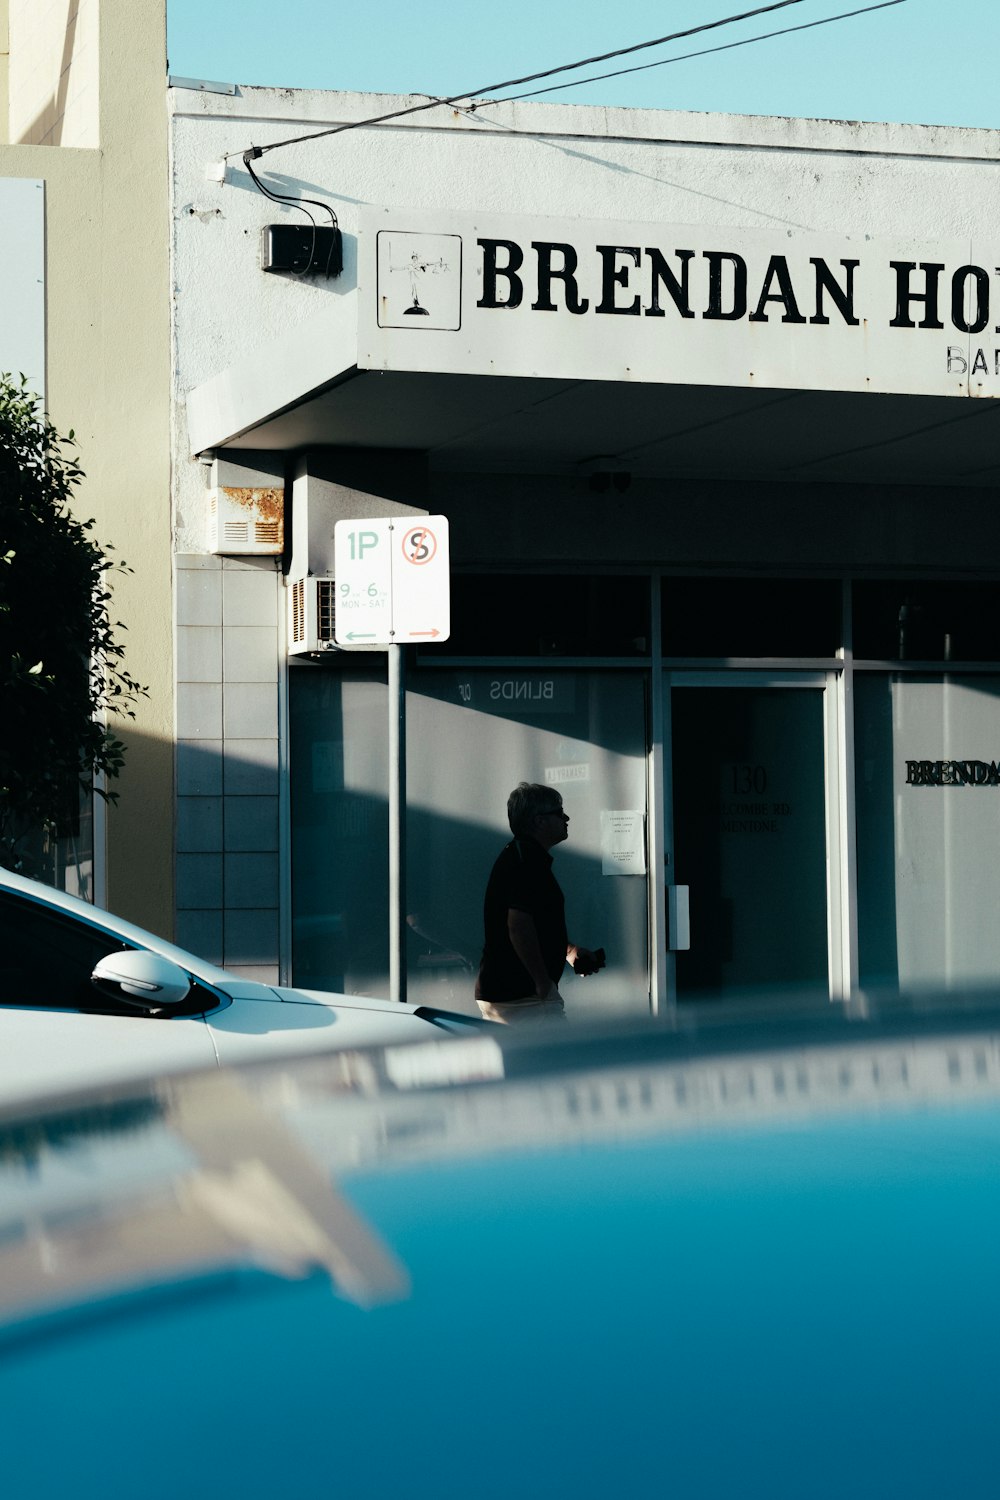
<point x="662" y="966"/>
<point x="397" y="824"/>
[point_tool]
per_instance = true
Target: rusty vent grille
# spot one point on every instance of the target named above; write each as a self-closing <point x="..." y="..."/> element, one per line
<point x="247" y="522"/>
<point x="325" y="609"/>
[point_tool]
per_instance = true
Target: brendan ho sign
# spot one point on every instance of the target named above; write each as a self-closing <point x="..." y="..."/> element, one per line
<point x="697" y="305"/>
<point x="952" y="773"/>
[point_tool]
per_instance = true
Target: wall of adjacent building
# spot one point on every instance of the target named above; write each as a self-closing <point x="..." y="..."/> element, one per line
<point x="55" y="88"/>
<point x="4" y="72"/>
<point x="88" y="80"/>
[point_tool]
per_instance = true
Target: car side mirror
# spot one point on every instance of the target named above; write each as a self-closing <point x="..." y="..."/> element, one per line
<point x="146" y="980"/>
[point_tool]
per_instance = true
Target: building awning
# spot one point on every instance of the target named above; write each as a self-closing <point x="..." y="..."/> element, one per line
<point x="483" y="345"/>
<point x="470" y="423"/>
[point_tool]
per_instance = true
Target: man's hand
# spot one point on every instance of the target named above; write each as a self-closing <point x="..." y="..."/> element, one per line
<point x="585" y="960"/>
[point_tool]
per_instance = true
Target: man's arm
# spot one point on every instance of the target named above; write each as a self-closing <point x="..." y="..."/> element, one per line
<point x="523" y="936"/>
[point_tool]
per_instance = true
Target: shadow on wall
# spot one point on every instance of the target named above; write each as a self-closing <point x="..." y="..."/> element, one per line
<point x="37" y="132"/>
<point x="227" y="866"/>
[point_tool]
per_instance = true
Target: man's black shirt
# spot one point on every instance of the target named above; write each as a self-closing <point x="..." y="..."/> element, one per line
<point x="521" y="880"/>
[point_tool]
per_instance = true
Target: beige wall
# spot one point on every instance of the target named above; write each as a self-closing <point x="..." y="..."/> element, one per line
<point x="4" y="89"/>
<point x="54" y="87"/>
<point x="108" y="350"/>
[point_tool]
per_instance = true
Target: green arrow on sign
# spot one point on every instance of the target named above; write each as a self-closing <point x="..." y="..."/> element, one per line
<point x="354" y="636"/>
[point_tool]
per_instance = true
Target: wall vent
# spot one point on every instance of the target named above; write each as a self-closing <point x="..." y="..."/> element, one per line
<point x="311" y="614"/>
<point x="246" y="522"/>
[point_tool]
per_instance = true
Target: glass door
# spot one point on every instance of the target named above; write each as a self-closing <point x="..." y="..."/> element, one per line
<point x="749" y="819"/>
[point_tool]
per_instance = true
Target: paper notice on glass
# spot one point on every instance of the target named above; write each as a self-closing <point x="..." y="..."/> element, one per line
<point x="623" y="843"/>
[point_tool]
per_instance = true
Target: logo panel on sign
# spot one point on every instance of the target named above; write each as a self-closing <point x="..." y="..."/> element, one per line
<point x="419" y="280"/>
<point x="419" y="545"/>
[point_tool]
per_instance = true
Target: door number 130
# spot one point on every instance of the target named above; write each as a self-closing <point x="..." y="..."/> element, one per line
<point x="747" y="779"/>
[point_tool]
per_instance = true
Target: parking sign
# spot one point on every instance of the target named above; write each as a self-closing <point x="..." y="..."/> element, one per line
<point x="392" y="581"/>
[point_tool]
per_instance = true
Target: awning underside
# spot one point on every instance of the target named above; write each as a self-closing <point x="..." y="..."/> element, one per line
<point x="480" y="423"/>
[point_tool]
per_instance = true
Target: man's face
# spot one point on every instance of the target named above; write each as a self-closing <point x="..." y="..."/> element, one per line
<point x="552" y="825"/>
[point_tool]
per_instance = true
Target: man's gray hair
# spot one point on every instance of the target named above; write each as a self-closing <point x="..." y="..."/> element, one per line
<point x="526" y="802"/>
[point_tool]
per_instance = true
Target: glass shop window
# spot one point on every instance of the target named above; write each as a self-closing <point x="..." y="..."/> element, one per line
<point x="472" y="735"/>
<point x="722" y="618"/>
<point x="562" y="615"/>
<point x="897" y="620"/>
<point x="340" y="826"/>
<point x="928" y="828"/>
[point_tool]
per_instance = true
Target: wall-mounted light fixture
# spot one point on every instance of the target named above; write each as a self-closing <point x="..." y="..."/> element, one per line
<point x="301" y="249"/>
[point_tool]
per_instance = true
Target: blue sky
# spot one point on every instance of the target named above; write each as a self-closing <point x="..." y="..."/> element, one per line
<point x="919" y="61"/>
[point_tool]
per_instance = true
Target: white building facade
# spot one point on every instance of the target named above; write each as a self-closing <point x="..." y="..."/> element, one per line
<point x="707" y="404"/>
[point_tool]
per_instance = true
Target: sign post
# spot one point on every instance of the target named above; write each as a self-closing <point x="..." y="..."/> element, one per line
<point x="392" y="589"/>
<point x="397" y="825"/>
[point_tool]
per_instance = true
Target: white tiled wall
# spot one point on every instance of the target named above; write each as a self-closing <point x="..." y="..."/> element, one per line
<point x="227" y="761"/>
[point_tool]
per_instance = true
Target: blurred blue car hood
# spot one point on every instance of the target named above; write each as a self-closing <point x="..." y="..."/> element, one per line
<point x="746" y="1258"/>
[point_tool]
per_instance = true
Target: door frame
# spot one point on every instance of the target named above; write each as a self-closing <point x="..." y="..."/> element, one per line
<point x="841" y="945"/>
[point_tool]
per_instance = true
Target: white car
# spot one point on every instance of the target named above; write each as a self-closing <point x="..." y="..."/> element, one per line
<point x="86" y="998"/>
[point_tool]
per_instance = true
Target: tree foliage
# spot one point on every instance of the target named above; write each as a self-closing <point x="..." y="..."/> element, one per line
<point x="63" y="682"/>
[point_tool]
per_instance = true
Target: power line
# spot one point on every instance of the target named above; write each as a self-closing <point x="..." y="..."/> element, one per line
<point x="256" y="151"/>
<point x="685" y="56"/>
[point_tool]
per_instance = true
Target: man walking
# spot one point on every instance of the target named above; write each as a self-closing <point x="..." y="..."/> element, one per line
<point x="526" y="946"/>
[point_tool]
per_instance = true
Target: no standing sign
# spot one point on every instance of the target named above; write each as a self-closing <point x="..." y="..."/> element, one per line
<point x="392" y="581"/>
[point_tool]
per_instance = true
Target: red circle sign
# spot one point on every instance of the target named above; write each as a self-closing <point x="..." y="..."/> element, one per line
<point x="419" y="546"/>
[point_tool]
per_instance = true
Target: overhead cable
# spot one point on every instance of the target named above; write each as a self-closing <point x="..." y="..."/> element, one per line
<point x="256" y="151"/>
<point x="662" y="62"/>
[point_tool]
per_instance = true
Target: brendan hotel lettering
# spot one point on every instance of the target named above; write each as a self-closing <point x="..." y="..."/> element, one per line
<point x="644" y="281"/>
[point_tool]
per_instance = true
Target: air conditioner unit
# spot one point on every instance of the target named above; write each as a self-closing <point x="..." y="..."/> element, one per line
<point x="310" y="603"/>
<point x="246" y="521"/>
